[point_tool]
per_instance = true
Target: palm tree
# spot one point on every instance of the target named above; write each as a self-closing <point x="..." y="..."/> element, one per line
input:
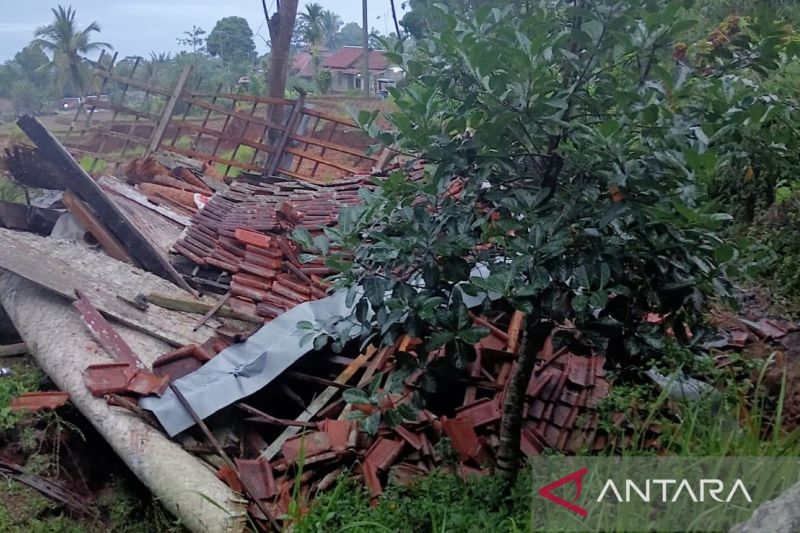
<point x="331" y="23"/>
<point x="68" y="44"/>
<point x="311" y="23"/>
<point x="152" y="66"/>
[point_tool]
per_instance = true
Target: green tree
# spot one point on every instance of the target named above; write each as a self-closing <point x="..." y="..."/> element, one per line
<point x="331" y="22"/>
<point x="232" y="41"/>
<point x="68" y="44"/>
<point x="567" y="150"/>
<point x="310" y="23"/>
<point x="351" y="34"/>
<point x="193" y="39"/>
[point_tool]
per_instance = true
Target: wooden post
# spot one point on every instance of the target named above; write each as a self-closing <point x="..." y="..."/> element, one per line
<point x="291" y="124"/>
<point x="365" y="66"/>
<point x="161" y="127"/>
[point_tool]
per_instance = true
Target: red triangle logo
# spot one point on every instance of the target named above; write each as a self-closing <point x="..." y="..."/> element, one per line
<point x="576" y="477"/>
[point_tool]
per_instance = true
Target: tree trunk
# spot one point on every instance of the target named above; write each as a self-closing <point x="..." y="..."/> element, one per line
<point x="281" y="28"/>
<point x="508" y="454"/>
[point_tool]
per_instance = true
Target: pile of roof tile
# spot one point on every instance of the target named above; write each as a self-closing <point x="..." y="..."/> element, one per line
<point x="242" y="233"/>
<point x="180" y="187"/>
<point x="561" y="395"/>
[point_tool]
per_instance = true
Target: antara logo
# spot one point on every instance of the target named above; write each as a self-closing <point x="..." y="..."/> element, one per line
<point x="671" y="490"/>
<point x="576" y="477"/>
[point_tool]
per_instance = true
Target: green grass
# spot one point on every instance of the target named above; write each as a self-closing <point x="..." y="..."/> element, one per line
<point x="441" y="502"/>
<point x="124" y="504"/>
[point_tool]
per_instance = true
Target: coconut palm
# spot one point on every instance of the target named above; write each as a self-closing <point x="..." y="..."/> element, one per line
<point x="331" y="23"/>
<point x="311" y="23"/>
<point x="68" y="44"/>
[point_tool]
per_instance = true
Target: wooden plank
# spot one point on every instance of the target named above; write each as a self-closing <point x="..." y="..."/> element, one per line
<point x="35" y="261"/>
<point x="112" y="216"/>
<point x="89" y="221"/>
<point x="318" y="403"/>
<point x="12" y="350"/>
<point x="332" y="146"/>
<point x="104" y="333"/>
<point x="331" y="118"/>
<point x="196" y="306"/>
<point x="161" y="128"/>
<point x="232" y="113"/>
<point x="125" y="110"/>
<point x="243" y="97"/>
<point x="323" y="161"/>
<point x="133" y="83"/>
<point x="133" y="195"/>
<point x="117" y="135"/>
<point x="216" y="133"/>
<point x="209" y="157"/>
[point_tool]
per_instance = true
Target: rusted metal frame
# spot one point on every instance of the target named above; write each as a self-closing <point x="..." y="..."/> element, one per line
<point x="291" y="123"/>
<point x="185" y="116"/>
<point x="205" y="119"/>
<point x="160" y="130"/>
<point x="88" y="220"/>
<point x="322" y="152"/>
<point x="104" y="333"/>
<point x="244" y="132"/>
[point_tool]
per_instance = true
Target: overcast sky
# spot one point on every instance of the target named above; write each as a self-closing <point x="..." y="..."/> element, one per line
<point x="138" y="27"/>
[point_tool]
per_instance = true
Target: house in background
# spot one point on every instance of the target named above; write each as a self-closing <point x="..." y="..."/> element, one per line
<point x="345" y="66"/>
<point x="303" y="64"/>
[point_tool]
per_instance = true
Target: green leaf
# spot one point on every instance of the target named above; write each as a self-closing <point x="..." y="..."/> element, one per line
<point x="724" y="253"/>
<point x="355" y="396"/>
<point x="372" y="423"/>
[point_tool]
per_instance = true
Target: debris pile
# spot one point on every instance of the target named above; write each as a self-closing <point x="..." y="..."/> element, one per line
<point x="240" y="243"/>
<point x="181" y="188"/>
<point x="293" y="415"/>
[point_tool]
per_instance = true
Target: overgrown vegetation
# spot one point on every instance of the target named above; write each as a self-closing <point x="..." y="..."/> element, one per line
<point x="571" y="148"/>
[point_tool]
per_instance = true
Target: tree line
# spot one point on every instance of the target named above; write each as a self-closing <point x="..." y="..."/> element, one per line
<point x="58" y="62"/>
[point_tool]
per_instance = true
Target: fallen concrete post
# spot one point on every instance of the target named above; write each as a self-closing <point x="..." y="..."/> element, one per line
<point x="63" y="348"/>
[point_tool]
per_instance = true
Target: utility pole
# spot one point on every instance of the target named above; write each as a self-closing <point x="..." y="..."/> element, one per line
<point x="365" y="67"/>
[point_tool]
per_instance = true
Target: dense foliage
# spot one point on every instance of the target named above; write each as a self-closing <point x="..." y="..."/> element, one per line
<point x="569" y="149"/>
